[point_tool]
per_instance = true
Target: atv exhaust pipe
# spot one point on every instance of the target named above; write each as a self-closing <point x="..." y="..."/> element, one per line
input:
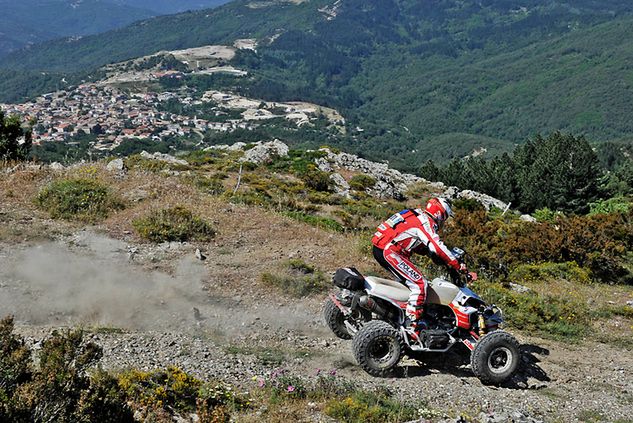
<point x="369" y="304"/>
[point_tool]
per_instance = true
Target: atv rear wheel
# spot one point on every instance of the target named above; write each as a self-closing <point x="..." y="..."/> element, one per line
<point x="377" y="347"/>
<point x="335" y="320"/>
<point x="495" y="357"/>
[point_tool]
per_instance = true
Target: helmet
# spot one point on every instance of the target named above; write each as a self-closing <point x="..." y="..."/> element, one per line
<point x="439" y="209"/>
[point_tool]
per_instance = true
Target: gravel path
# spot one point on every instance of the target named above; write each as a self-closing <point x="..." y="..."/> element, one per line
<point x="181" y="318"/>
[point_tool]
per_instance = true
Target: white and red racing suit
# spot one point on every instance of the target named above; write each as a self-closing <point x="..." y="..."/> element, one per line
<point x="396" y="239"/>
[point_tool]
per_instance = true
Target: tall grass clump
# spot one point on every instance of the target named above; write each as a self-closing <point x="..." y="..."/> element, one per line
<point x="86" y="200"/>
<point x="173" y="224"/>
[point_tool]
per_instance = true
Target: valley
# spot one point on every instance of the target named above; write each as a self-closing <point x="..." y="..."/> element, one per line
<point x="466" y="76"/>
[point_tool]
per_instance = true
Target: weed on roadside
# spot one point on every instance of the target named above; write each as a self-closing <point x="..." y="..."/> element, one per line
<point x="173" y="224"/>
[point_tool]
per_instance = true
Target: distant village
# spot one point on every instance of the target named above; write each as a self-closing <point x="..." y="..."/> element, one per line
<point x="112" y="115"/>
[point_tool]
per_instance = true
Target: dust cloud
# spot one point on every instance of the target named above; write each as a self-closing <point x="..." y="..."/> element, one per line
<point x="50" y="284"/>
<point x="91" y="282"/>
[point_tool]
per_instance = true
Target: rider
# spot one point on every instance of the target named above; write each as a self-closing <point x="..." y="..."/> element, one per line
<point x="414" y="231"/>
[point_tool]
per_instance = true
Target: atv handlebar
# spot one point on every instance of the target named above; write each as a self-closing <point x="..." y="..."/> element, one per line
<point x="461" y="278"/>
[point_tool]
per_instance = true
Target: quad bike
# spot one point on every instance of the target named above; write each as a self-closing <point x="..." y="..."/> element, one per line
<point x="371" y="310"/>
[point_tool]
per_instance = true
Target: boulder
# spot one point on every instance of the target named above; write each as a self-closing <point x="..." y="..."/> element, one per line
<point x="341" y="186"/>
<point x="56" y="166"/>
<point x="264" y="152"/>
<point x="238" y="146"/>
<point x="527" y="218"/>
<point x="116" y="165"/>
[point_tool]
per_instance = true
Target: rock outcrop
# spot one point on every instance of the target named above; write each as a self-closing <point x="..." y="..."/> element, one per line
<point x="163" y="158"/>
<point x="260" y="152"/>
<point x="340" y="185"/>
<point x="390" y="183"/>
<point x="264" y="152"/>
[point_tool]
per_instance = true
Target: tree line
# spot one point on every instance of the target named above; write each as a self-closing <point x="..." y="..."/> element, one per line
<point x="561" y="172"/>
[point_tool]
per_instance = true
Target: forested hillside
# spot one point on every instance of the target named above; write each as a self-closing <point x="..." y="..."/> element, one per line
<point x="28" y="22"/>
<point x="415" y="80"/>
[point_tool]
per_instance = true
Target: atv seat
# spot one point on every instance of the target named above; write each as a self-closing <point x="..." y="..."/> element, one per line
<point x="388" y="288"/>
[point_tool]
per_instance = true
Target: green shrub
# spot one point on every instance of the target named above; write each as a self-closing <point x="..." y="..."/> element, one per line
<point x="362" y="182"/>
<point x="368" y="407"/>
<point x="297" y="161"/>
<point x="297" y="278"/>
<point x="173" y="224"/>
<point x="161" y="388"/>
<point x="468" y="204"/>
<point x="137" y="162"/>
<point x="216" y="400"/>
<point x="349" y="220"/>
<point x="316" y="179"/>
<point x="546" y="215"/>
<point x="11" y="131"/>
<point x="82" y="199"/>
<point x="212" y="186"/>
<point x="59" y="387"/>
<point x="600" y="245"/>
<point x="371" y="207"/>
<point x="15" y="361"/>
<point x="419" y="190"/>
<point x="202" y="157"/>
<point x="103" y="400"/>
<point x="63" y="387"/>
<point x="301" y="163"/>
<point x="612" y="205"/>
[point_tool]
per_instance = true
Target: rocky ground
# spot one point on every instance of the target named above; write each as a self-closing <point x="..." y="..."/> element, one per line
<point x="153" y="306"/>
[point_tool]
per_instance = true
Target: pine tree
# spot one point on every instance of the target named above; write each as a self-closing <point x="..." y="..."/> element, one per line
<point x="15" y="141"/>
<point x="560" y="172"/>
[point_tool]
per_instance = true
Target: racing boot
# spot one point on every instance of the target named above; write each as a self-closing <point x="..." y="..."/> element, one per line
<point x="415" y="324"/>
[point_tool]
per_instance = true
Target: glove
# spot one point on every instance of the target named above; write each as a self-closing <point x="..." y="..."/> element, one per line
<point x="463" y="268"/>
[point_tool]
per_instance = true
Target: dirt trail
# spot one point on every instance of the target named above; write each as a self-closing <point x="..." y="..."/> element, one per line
<point x="174" y="313"/>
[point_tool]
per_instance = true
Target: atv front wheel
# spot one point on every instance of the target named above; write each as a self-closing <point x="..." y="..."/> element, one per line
<point x="495" y="357"/>
<point x="335" y="320"/>
<point x="377" y="347"/>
